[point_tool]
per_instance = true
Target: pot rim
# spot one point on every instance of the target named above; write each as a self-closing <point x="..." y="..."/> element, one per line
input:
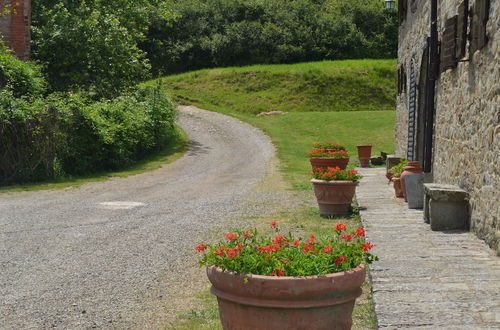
<point x="360" y="268"/>
<point x="364" y="145"/>
<point x="337" y="182"/>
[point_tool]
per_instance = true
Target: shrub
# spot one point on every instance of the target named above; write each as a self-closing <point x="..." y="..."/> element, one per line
<point x="69" y="134"/>
<point x="20" y="78"/>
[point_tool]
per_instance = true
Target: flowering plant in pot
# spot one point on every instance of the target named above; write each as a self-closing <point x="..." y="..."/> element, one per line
<point x="331" y="146"/>
<point x="396" y="174"/>
<point x="334" y="189"/>
<point x="323" y="158"/>
<point x="285" y="281"/>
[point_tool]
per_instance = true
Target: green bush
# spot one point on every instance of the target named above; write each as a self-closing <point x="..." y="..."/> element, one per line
<point x="208" y="33"/>
<point x="67" y="134"/>
<point x="20" y="78"/>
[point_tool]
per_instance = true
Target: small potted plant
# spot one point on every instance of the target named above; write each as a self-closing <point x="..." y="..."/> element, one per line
<point x="334" y="189"/>
<point x="286" y="282"/>
<point x="328" y="154"/>
<point x="396" y="177"/>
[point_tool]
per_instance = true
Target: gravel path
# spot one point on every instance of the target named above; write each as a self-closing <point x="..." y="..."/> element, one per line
<point x="99" y="256"/>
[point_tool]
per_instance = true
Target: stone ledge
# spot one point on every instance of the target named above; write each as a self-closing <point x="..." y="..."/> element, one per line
<point x="445" y="192"/>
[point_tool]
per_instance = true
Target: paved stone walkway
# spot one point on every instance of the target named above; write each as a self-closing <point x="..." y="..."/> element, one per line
<point x="425" y="279"/>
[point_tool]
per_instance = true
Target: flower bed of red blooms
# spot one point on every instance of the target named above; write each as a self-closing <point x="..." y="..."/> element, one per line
<point x="246" y="252"/>
<point x="329" y="145"/>
<point x="335" y="174"/>
<point x="325" y="153"/>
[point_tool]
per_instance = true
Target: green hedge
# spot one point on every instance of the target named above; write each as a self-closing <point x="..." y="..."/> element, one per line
<point x="20" y="78"/>
<point x="67" y="134"/>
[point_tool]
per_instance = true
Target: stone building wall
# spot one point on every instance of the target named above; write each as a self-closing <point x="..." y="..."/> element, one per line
<point x="15" y="26"/>
<point x="467" y="118"/>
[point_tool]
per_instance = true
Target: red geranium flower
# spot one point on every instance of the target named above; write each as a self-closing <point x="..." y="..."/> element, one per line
<point x="340" y="227"/>
<point x="367" y="246"/>
<point x="296" y="243"/>
<point x="340" y="260"/>
<point x="274" y="224"/>
<point x="312" y="239"/>
<point x="219" y="252"/>
<point x="347" y="237"/>
<point x="360" y="232"/>
<point x="232" y="253"/>
<point x="278" y="272"/>
<point x="307" y="247"/>
<point x="328" y="249"/>
<point x="201" y="247"/>
<point x="231" y="237"/>
<point x="278" y="239"/>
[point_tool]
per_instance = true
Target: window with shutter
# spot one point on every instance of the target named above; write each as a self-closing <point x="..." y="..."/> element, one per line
<point x="448" y="44"/>
<point x="462" y="20"/>
<point x="480" y="15"/>
<point x="402" y="9"/>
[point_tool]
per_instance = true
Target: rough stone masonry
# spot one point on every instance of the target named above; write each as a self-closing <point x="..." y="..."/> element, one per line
<point x="466" y="141"/>
<point x="15" y="24"/>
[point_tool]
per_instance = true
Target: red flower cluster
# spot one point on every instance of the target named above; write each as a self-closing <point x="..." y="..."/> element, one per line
<point x="340" y="227"/>
<point x="308" y="247"/>
<point x="328" y="249"/>
<point x="274" y="224"/>
<point x="278" y="272"/>
<point x="340" y="260"/>
<point x="269" y="248"/>
<point x="367" y="246"/>
<point x="329" y="145"/>
<point x="326" y="153"/>
<point x="347" y="237"/>
<point x="335" y="174"/>
<point x="360" y="232"/>
<point x="279" y="239"/>
<point x="201" y="247"/>
<point x="231" y="237"/>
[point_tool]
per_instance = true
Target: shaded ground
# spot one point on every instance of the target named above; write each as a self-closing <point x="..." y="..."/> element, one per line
<point x="113" y="254"/>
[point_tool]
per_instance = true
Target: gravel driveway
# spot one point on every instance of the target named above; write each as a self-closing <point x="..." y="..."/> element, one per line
<point x="97" y="255"/>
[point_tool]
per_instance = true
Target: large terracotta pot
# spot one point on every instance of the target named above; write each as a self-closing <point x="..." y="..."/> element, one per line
<point x="324" y="162"/>
<point x="364" y="154"/>
<point x="268" y="302"/>
<point x="411" y="168"/>
<point x="397" y="187"/>
<point x="334" y="197"/>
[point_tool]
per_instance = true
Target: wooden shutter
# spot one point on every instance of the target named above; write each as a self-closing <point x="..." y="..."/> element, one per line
<point x="448" y="44"/>
<point x="410" y="151"/>
<point x="480" y="17"/>
<point x="462" y="19"/>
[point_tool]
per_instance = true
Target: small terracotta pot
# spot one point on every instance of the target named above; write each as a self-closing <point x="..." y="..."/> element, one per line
<point x="268" y="302"/>
<point x="324" y="162"/>
<point x="411" y="168"/>
<point x="364" y="154"/>
<point x="397" y="187"/>
<point x="334" y="197"/>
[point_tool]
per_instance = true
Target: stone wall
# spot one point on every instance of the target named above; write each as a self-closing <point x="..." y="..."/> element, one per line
<point x="467" y="119"/>
<point x="15" y="26"/>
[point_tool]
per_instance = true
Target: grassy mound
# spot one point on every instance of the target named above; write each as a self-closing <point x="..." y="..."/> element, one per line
<point x="351" y="85"/>
<point x="350" y="102"/>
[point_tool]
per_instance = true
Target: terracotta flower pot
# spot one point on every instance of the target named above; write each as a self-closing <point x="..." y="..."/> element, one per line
<point x="397" y="187"/>
<point x="364" y="154"/>
<point x="269" y="302"/>
<point x="411" y="168"/>
<point x="334" y="197"/>
<point x="325" y="162"/>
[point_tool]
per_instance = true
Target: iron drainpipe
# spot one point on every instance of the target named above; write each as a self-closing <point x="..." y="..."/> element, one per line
<point x="431" y="89"/>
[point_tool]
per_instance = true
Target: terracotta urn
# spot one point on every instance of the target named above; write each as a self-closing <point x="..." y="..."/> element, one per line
<point x="364" y="154"/>
<point x="325" y="162"/>
<point x="334" y="197"/>
<point x="411" y="168"/>
<point x="256" y="302"/>
<point x="397" y="187"/>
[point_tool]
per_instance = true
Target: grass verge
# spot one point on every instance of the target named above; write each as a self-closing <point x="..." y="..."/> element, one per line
<point x="176" y="148"/>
